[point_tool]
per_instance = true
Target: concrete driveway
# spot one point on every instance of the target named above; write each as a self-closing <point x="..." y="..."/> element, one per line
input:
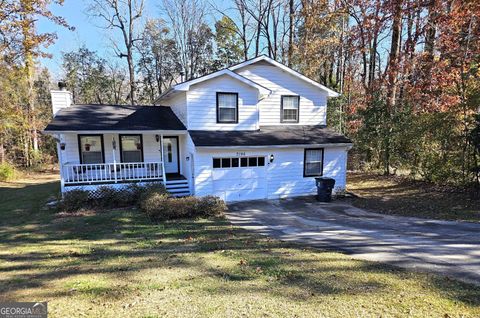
<point x="450" y="248"/>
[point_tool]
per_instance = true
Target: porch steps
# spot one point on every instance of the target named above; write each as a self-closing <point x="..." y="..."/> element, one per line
<point x="178" y="188"/>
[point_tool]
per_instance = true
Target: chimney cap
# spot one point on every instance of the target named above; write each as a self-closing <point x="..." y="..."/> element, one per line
<point x="62" y="85"/>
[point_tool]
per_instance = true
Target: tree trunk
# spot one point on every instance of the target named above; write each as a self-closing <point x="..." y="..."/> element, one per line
<point x="2" y="151"/>
<point x="431" y="31"/>
<point x="131" y="74"/>
<point x="291" y="30"/>
<point x="392" y="67"/>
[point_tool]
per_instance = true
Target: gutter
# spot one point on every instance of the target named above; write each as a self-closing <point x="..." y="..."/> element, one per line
<point x="329" y="145"/>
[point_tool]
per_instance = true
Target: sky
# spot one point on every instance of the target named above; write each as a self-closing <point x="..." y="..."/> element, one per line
<point x="87" y="31"/>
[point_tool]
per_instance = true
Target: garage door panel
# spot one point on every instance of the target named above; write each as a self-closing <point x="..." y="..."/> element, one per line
<point x="253" y="172"/>
<point x="239" y="184"/>
<point x="219" y="174"/>
<point x="235" y="173"/>
<point x="250" y="194"/>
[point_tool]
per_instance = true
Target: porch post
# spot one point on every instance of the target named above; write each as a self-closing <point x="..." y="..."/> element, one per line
<point x="164" y="175"/>
<point x="114" y="147"/>
<point x="60" y="162"/>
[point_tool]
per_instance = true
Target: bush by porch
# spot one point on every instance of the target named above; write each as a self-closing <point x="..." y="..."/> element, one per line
<point x="153" y="199"/>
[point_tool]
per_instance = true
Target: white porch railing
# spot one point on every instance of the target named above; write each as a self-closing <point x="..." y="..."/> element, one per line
<point x="112" y="172"/>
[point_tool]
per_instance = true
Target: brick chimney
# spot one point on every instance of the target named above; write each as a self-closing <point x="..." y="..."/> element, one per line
<point x="61" y="98"/>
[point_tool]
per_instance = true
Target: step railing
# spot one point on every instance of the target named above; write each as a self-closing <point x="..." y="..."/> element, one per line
<point x="111" y="172"/>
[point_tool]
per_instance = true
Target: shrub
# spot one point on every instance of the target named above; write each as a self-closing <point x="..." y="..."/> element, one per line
<point x="75" y="200"/>
<point x="158" y="206"/>
<point x="211" y="206"/>
<point x="143" y="191"/>
<point x="155" y="205"/>
<point x="7" y="172"/>
<point x="109" y="197"/>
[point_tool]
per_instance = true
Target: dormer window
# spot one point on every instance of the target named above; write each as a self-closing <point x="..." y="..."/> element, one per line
<point x="290" y="109"/>
<point x="227" y="108"/>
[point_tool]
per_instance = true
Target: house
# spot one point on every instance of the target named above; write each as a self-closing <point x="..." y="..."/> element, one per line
<point x="255" y="130"/>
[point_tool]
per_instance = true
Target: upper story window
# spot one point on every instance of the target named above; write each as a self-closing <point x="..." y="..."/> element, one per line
<point x="227" y="108"/>
<point x="131" y="148"/>
<point x="290" y="109"/>
<point x="91" y="149"/>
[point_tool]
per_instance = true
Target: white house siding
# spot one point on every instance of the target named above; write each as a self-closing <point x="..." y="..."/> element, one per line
<point x="202" y="104"/>
<point x="187" y="149"/>
<point x="279" y="179"/>
<point x="178" y="104"/>
<point x="313" y="102"/>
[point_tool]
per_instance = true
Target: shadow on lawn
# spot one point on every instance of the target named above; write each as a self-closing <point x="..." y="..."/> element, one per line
<point x="38" y="248"/>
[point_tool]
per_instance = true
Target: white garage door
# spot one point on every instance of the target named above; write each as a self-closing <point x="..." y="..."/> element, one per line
<point x="239" y="178"/>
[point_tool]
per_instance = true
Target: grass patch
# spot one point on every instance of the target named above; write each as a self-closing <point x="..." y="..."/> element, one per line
<point x="118" y="264"/>
<point x="401" y="196"/>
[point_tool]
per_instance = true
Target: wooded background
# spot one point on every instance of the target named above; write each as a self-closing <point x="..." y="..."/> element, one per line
<point x="408" y="70"/>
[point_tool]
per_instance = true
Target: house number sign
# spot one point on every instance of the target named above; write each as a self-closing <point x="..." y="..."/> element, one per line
<point x="241" y="154"/>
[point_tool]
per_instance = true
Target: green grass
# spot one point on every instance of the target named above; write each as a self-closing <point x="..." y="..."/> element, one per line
<point x="118" y="264"/>
<point x="401" y="196"/>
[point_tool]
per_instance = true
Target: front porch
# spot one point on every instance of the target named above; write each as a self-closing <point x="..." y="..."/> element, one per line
<point x="90" y="160"/>
<point x="89" y="176"/>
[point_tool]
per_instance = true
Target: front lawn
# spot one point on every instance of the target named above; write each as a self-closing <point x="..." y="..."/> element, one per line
<point x="118" y="264"/>
<point x="401" y="196"/>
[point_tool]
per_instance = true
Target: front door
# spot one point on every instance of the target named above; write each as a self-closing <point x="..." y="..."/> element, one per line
<point x="170" y="151"/>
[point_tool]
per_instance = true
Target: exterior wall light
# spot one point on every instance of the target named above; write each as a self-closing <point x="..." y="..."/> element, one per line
<point x="187" y="158"/>
<point x="114" y="144"/>
<point x="62" y="146"/>
<point x="271" y="158"/>
<point x="157" y="138"/>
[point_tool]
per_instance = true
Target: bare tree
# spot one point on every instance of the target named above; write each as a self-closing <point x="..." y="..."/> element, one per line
<point x="187" y="19"/>
<point x="270" y="22"/>
<point x="122" y="15"/>
<point x="241" y="23"/>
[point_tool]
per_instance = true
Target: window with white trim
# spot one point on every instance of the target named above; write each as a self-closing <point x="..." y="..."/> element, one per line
<point x="91" y="149"/>
<point x="131" y="148"/>
<point x="227" y="107"/>
<point x="313" y="165"/>
<point x="290" y="109"/>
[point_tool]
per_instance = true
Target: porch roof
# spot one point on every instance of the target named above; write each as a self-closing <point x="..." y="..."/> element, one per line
<point x="114" y="118"/>
<point x="269" y="136"/>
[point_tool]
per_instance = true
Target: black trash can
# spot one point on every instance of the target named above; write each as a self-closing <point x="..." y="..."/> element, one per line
<point x="324" y="188"/>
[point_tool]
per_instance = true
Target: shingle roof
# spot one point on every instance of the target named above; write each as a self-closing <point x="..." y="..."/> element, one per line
<point x="268" y="136"/>
<point x="114" y="117"/>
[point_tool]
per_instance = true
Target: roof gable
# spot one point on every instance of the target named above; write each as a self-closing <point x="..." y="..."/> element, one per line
<point x="185" y="86"/>
<point x="266" y="59"/>
<point x="230" y="71"/>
